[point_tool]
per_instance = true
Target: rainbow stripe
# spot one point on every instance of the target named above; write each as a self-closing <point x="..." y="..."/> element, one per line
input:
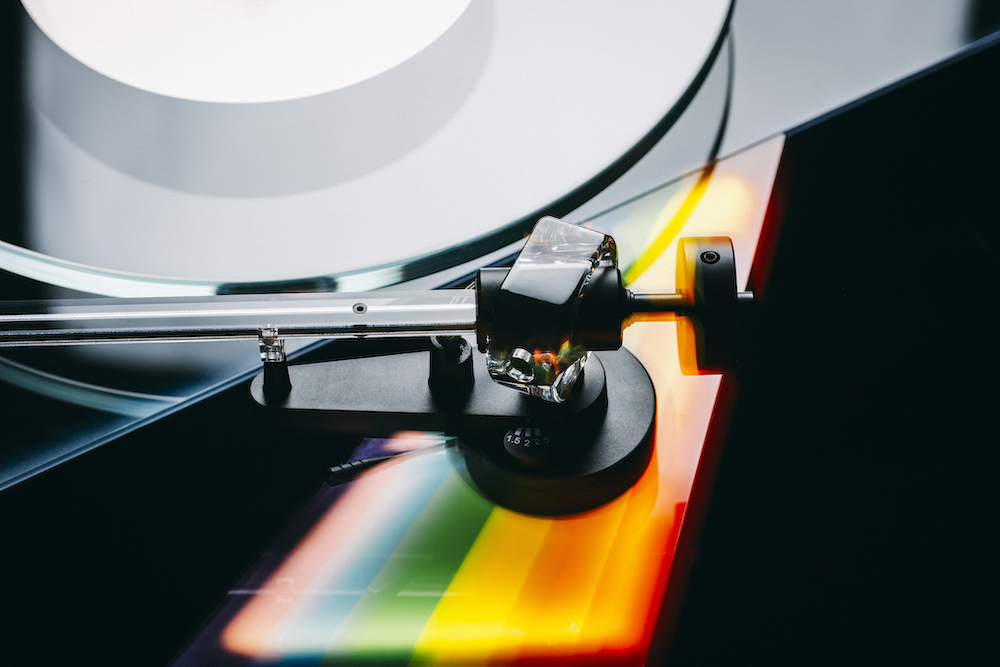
<point x="412" y="566"/>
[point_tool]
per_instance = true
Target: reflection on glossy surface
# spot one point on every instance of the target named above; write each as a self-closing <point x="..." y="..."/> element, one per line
<point x="118" y="401"/>
<point x="410" y="565"/>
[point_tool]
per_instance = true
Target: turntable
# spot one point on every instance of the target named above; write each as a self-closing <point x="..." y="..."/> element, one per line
<point x="382" y="498"/>
<point x="468" y="180"/>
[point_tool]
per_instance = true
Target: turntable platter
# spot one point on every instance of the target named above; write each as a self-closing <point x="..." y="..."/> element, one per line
<point x="497" y="113"/>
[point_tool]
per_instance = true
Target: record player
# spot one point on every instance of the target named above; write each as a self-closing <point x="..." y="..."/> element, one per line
<point x="505" y="473"/>
<point x="578" y="434"/>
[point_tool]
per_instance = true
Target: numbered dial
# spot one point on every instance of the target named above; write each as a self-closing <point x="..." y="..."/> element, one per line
<point x="526" y="444"/>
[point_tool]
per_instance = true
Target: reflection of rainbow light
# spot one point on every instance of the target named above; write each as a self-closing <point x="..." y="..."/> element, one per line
<point x="412" y="566"/>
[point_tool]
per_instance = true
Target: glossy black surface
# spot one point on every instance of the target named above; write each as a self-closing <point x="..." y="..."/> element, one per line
<point x="116" y="556"/>
<point x="851" y="518"/>
<point x="591" y="459"/>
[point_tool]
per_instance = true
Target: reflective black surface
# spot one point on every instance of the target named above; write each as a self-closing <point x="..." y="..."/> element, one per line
<point x="851" y="518"/>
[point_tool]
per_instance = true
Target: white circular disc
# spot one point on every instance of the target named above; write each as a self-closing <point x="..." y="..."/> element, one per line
<point x="507" y="108"/>
<point x="236" y="51"/>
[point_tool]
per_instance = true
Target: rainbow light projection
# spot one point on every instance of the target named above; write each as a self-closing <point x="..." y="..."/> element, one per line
<point x="409" y="565"/>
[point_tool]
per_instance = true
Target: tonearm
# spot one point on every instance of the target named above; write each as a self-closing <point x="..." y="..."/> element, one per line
<point x="575" y="433"/>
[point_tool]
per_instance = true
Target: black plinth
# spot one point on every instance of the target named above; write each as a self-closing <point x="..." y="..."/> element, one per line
<point x="524" y="454"/>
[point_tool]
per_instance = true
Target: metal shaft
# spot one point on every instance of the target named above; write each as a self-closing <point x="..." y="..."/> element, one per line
<point x="658" y="303"/>
<point x="340" y="315"/>
<point x="343" y="315"/>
